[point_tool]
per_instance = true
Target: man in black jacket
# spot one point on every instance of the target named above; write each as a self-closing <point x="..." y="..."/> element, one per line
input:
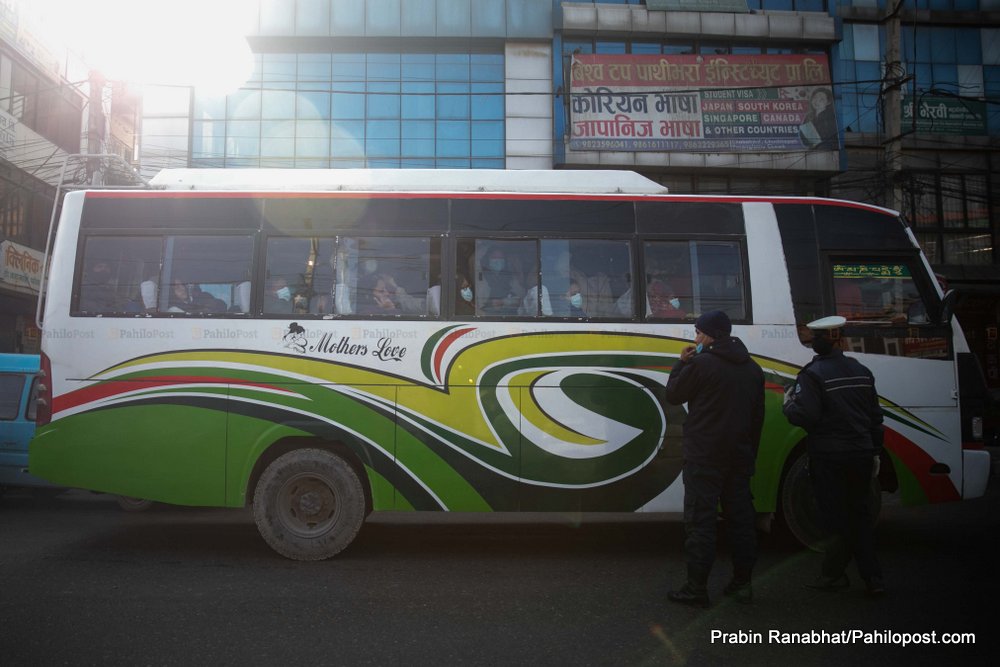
<point x="835" y="401"/>
<point x="724" y="390"/>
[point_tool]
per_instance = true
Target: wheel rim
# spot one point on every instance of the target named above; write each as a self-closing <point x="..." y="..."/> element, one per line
<point x="307" y="505"/>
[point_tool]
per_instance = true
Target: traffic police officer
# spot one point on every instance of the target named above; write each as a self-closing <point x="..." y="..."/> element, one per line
<point x="835" y="401"/>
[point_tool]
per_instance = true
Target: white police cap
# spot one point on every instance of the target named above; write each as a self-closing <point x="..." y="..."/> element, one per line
<point x="827" y="323"/>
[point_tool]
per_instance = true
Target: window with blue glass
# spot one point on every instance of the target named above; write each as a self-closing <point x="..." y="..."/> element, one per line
<point x="358" y="110"/>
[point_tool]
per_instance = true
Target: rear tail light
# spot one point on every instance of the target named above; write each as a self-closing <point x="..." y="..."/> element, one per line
<point x="977" y="428"/>
<point x="43" y="410"/>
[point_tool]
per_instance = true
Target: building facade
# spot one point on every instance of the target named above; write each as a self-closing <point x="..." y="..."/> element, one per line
<point x="893" y="103"/>
<point x="40" y="122"/>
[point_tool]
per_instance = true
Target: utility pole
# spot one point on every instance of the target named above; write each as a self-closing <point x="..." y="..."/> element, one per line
<point x="892" y="111"/>
<point x="95" y="128"/>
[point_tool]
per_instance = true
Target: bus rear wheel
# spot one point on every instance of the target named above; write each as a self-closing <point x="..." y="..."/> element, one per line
<point x="309" y="504"/>
<point x="800" y="511"/>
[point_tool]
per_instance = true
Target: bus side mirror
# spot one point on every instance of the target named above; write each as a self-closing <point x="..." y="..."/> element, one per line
<point x="948" y="306"/>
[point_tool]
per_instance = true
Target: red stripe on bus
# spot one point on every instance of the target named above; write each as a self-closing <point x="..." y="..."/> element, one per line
<point x="235" y="194"/>
<point x="938" y="488"/>
<point x="444" y="345"/>
<point x="103" y="390"/>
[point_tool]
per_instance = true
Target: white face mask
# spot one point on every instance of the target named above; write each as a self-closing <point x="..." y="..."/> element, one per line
<point x="496" y="264"/>
<point x="369" y="265"/>
<point x="285" y="294"/>
<point x="675" y="302"/>
<point x="576" y="300"/>
<point x="466" y="293"/>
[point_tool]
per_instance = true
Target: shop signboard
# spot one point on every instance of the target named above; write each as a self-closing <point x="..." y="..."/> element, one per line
<point x="701" y="103"/>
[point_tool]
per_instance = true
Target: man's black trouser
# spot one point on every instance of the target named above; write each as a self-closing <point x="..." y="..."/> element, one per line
<point x="843" y="492"/>
<point x="705" y="488"/>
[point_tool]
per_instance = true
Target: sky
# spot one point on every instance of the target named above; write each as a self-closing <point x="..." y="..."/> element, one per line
<point x="181" y="42"/>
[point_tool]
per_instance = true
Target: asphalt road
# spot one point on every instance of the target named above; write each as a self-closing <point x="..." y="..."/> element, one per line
<point x="82" y="582"/>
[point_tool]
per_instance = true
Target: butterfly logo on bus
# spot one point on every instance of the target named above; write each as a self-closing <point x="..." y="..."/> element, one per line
<point x="295" y="338"/>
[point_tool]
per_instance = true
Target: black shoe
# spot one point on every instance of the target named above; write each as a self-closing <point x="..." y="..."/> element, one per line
<point x="740" y="591"/>
<point x="875" y="586"/>
<point x="690" y="596"/>
<point x="825" y="583"/>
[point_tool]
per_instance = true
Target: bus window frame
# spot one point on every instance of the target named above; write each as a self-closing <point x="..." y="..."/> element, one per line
<point x="739" y="240"/>
<point x="161" y="234"/>
<point x="456" y="239"/>
<point x="336" y="234"/>
<point x="933" y="328"/>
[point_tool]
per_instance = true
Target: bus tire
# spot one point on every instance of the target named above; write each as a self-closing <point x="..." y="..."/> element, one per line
<point x="309" y="504"/>
<point x="130" y="504"/>
<point x="800" y="511"/>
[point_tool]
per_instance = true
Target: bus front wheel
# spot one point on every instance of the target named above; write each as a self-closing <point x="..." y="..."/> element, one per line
<point x="799" y="508"/>
<point x="309" y="504"/>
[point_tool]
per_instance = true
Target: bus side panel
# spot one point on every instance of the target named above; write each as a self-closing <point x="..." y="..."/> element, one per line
<point x="280" y="403"/>
<point x="463" y="466"/>
<point x="921" y="444"/>
<point x="168" y="449"/>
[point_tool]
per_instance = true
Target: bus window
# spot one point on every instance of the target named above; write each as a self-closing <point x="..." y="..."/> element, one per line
<point x="387" y="277"/>
<point x="583" y="278"/>
<point x="506" y="277"/>
<point x="669" y="292"/>
<point x="687" y="278"/>
<point x="885" y="311"/>
<point x="881" y="292"/>
<point x="114" y="270"/>
<point x="300" y="269"/>
<point x="204" y="275"/>
<point x="719" y="278"/>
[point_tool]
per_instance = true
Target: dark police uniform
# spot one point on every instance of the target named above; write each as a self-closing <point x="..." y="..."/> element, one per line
<point x="835" y="401"/>
<point x="724" y="390"/>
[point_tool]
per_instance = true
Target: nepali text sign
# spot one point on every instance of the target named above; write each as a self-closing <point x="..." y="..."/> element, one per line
<point x="705" y="104"/>
<point x="20" y="266"/>
<point x="946" y="115"/>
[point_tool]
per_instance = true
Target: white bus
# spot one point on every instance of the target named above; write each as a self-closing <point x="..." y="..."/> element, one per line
<point x="318" y="345"/>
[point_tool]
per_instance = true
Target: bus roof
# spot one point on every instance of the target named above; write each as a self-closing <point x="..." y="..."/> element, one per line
<point x="410" y="180"/>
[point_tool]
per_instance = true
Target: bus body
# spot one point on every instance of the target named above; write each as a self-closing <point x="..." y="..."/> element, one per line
<point x="322" y="344"/>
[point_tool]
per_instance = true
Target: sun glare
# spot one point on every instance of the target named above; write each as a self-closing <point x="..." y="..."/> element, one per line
<point x="185" y="42"/>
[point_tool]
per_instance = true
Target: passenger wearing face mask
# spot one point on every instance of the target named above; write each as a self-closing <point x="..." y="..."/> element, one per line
<point x="575" y="298"/>
<point x="278" y="297"/>
<point x="499" y="290"/>
<point x="465" y="300"/>
<point x="663" y="302"/>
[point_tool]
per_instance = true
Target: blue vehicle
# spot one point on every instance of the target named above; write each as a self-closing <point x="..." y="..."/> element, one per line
<point x="18" y="375"/>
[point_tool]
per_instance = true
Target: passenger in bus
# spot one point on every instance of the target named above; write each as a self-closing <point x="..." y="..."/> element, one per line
<point x="97" y="292"/>
<point x="499" y="289"/>
<point x="180" y="299"/>
<point x="405" y="302"/>
<point x="531" y="307"/>
<point x="662" y="300"/>
<point x="148" y="292"/>
<point x="203" y="302"/>
<point x="378" y="294"/>
<point x="278" y="297"/>
<point x="465" y="299"/>
<point x="241" y="303"/>
<point x="575" y="299"/>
